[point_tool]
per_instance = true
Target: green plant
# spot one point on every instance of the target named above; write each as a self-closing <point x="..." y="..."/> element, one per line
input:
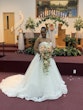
<point x="68" y="51"/>
<point x="78" y="24"/>
<point x="59" y="52"/>
<point x="67" y="38"/>
<point x="73" y="51"/>
<point x="33" y="41"/>
<point x="70" y="41"/>
<point x="30" y="50"/>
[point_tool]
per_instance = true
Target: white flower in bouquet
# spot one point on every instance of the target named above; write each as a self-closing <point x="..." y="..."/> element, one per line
<point x="46" y="54"/>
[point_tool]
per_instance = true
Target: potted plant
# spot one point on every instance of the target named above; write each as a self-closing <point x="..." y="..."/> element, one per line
<point x="70" y="41"/>
<point x="78" y="24"/>
<point x="67" y="51"/>
<point x="30" y="26"/>
<point x="67" y="40"/>
<point x="30" y="23"/>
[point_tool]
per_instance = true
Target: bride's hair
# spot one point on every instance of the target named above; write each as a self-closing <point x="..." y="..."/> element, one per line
<point x="43" y="28"/>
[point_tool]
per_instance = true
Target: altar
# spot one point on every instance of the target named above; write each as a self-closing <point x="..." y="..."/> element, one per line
<point x="59" y="38"/>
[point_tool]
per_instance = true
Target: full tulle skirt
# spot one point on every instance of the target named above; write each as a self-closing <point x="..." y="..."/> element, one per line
<point x="35" y="84"/>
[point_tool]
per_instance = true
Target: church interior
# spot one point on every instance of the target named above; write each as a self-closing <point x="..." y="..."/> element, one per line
<point x="20" y="25"/>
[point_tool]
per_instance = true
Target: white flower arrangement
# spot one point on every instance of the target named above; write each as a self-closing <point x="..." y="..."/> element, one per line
<point x="54" y="19"/>
<point x="78" y="24"/>
<point x="30" y="23"/>
<point x="45" y="54"/>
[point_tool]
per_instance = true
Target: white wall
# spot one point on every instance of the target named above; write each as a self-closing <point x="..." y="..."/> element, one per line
<point x="28" y="8"/>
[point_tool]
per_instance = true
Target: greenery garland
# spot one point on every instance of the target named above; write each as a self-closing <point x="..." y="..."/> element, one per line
<point x="30" y="23"/>
<point x="55" y="19"/>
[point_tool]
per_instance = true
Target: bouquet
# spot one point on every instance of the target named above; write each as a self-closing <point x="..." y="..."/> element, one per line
<point x="45" y="55"/>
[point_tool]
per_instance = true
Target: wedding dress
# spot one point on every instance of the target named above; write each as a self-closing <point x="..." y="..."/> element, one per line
<point x="35" y="84"/>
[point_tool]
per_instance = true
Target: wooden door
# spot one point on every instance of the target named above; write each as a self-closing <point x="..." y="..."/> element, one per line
<point x="8" y="22"/>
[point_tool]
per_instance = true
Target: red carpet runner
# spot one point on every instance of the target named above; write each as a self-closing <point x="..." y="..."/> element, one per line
<point x="72" y="101"/>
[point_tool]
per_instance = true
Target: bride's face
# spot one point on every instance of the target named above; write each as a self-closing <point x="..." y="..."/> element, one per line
<point x="43" y="33"/>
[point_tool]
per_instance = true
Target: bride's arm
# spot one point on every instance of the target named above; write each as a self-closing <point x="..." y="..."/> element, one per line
<point x="36" y="45"/>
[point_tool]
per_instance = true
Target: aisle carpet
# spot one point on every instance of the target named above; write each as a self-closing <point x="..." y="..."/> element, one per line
<point x="72" y="101"/>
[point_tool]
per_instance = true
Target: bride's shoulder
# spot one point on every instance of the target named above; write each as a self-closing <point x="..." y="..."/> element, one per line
<point x="38" y="40"/>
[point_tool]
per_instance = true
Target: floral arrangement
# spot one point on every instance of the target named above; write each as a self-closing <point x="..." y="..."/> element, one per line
<point x="30" y="23"/>
<point x="55" y="19"/>
<point x="78" y="24"/>
<point x="45" y="55"/>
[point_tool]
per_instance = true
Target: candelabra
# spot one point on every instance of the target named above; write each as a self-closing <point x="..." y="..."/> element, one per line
<point x="52" y="12"/>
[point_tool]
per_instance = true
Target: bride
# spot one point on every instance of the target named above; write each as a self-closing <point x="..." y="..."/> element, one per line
<point x="41" y="81"/>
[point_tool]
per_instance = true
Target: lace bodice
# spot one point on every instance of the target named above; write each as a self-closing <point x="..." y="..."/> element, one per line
<point x="45" y="44"/>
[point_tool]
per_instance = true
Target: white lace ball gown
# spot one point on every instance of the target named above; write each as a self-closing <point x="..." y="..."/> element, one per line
<point x="35" y="84"/>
